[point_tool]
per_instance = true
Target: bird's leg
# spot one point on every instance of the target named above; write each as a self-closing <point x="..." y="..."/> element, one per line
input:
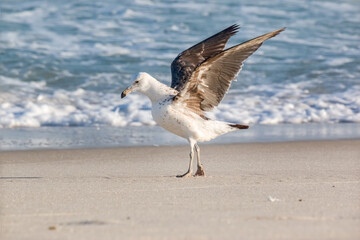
<point x="189" y="171"/>
<point x="200" y="169"/>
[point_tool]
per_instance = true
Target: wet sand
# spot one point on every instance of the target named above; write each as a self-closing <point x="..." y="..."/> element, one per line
<point x="291" y="190"/>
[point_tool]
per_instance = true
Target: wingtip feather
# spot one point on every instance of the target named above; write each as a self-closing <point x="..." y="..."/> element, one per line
<point x="239" y="126"/>
<point x="234" y="28"/>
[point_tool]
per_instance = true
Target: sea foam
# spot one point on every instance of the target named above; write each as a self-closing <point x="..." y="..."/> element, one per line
<point x="65" y="64"/>
<point x="264" y="104"/>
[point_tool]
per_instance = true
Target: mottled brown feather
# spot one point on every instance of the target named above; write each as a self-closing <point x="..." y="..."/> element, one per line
<point x="185" y="63"/>
<point x="212" y="78"/>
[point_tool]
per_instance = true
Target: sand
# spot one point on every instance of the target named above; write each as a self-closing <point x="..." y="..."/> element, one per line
<point x="293" y="190"/>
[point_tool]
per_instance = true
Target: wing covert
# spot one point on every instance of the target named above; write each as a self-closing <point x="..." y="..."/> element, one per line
<point x="211" y="80"/>
<point x="185" y="63"/>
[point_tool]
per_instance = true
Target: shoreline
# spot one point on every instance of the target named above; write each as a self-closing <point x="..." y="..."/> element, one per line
<point x="292" y="190"/>
<point x="183" y="145"/>
<point x="104" y="136"/>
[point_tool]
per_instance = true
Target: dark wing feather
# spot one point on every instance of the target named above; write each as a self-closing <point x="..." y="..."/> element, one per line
<point x="185" y="63"/>
<point x="211" y="80"/>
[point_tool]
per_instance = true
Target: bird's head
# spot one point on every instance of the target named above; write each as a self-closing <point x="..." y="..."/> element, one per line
<point x="140" y="84"/>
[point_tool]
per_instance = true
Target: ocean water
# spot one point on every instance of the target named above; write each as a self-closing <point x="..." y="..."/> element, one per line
<point x="65" y="63"/>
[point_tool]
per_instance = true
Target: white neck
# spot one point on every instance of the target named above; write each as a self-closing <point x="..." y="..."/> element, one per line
<point x="157" y="90"/>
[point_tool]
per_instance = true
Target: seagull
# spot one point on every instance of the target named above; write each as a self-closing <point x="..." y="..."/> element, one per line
<point x="201" y="76"/>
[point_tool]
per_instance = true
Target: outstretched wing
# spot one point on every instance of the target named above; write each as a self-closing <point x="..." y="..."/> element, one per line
<point x="211" y="80"/>
<point x="185" y="63"/>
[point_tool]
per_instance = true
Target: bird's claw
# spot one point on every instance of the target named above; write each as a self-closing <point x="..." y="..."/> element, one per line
<point x="187" y="174"/>
<point x="200" y="172"/>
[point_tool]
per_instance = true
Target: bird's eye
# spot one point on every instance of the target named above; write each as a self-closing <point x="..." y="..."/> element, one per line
<point x="136" y="81"/>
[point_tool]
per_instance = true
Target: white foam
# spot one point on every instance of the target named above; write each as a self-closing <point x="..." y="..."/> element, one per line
<point x="28" y="16"/>
<point x="263" y="104"/>
<point x="68" y="108"/>
<point x="289" y="104"/>
<point x="339" y="61"/>
<point x="110" y="50"/>
<point x="144" y="2"/>
<point x="130" y="13"/>
<point x="305" y="51"/>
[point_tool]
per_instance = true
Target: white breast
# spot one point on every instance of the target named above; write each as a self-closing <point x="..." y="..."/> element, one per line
<point x="171" y="118"/>
<point x="184" y="123"/>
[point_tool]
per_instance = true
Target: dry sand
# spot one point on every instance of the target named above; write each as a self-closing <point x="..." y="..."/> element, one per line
<point x="297" y="190"/>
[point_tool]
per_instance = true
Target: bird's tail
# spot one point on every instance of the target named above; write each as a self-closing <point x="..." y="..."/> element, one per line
<point x="239" y="126"/>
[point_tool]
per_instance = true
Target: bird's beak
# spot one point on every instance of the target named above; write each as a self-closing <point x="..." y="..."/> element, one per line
<point x="126" y="92"/>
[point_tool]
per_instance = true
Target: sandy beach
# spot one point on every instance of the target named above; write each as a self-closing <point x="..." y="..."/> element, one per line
<point x="292" y="190"/>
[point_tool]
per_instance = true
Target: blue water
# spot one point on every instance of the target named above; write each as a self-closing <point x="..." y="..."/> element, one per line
<point x="65" y="63"/>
